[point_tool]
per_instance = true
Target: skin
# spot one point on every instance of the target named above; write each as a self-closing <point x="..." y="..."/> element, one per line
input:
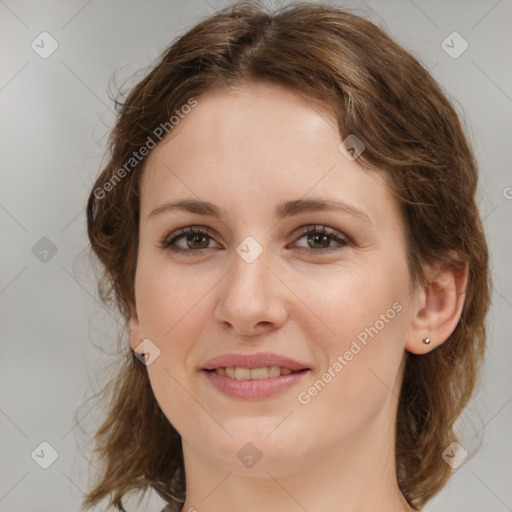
<point x="247" y="150"/>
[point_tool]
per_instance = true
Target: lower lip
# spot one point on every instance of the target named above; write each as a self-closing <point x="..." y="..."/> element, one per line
<point x="254" y="389"/>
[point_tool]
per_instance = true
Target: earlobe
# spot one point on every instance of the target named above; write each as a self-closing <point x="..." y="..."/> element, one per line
<point x="439" y="307"/>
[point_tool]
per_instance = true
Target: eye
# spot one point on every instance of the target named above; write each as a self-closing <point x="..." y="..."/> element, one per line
<point x="193" y="239"/>
<point x="319" y="239"/>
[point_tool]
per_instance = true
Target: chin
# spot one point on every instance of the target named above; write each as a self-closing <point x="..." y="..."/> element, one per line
<point x="255" y="449"/>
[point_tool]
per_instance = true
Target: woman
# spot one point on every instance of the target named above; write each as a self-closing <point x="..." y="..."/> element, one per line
<point x="288" y="226"/>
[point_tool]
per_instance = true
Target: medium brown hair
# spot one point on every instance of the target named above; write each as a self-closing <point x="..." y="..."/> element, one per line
<point x="412" y="134"/>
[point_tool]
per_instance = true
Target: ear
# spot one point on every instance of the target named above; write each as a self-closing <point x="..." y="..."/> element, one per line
<point x="135" y="331"/>
<point x="437" y="305"/>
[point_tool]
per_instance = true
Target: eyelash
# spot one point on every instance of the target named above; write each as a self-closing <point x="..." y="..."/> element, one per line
<point x="169" y="240"/>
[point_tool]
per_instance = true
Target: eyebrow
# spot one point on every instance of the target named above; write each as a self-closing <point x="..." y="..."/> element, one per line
<point x="286" y="209"/>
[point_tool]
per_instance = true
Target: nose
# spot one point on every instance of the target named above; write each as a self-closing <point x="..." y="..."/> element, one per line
<point x="253" y="299"/>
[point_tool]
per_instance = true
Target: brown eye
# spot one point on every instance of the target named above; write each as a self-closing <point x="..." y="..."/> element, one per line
<point x="321" y="241"/>
<point x="320" y="238"/>
<point x="202" y="241"/>
<point x="188" y="240"/>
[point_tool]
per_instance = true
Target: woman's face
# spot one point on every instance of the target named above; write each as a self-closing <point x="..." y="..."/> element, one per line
<point x="252" y="280"/>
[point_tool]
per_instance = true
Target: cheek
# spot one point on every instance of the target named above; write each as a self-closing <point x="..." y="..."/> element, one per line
<point x="346" y="301"/>
<point x="168" y="298"/>
<point x="172" y="306"/>
<point x="361" y="337"/>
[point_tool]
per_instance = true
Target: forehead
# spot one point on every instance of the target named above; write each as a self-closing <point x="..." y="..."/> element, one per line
<point x="257" y="145"/>
<point x="259" y="121"/>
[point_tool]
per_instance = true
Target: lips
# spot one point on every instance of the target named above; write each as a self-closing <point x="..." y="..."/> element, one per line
<point x="266" y="372"/>
<point x="250" y="361"/>
<point x="254" y="376"/>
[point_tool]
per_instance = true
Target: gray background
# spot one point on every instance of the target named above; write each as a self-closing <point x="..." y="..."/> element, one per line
<point x="55" y="114"/>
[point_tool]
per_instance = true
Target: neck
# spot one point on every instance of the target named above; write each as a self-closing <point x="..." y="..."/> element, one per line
<point x="354" y="476"/>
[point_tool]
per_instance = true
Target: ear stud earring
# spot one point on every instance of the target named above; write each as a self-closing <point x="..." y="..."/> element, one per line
<point x="426" y="341"/>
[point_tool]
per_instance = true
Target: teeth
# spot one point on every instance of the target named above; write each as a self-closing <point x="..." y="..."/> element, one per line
<point x="274" y="371"/>
<point x="259" y="373"/>
<point x="253" y="373"/>
<point x="242" y="373"/>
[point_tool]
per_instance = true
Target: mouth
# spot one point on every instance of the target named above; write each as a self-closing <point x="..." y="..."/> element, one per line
<point x="266" y="372"/>
<point x="250" y="384"/>
<point x="253" y="376"/>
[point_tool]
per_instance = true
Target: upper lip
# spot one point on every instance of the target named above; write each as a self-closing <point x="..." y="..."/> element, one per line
<point x="260" y="360"/>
